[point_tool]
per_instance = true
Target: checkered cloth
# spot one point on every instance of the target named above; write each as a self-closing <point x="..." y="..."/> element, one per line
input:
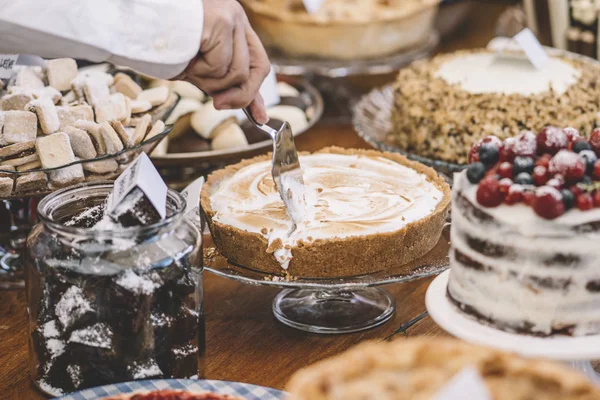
<point x="247" y="391"/>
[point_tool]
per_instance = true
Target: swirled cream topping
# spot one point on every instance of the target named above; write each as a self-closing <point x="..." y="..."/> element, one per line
<point x="347" y="195"/>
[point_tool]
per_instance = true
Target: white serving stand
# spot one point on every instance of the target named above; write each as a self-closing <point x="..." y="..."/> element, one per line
<point x="574" y="351"/>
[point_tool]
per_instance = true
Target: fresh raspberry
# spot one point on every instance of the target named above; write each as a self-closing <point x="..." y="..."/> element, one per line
<point x="540" y="175"/>
<point x="507" y="152"/>
<point x="544" y="160"/>
<point x="570" y="165"/>
<point x="525" y="144"/>
<point x="505" y="184"/>
<point x="551" y="140"/>
<point x="596" y="172"/>
<point x="555" y="183"/>
<point x="572" y="134"/>
<point x="548" y="203"/>
<point x="515" y="195"/>
<point x="585" y="201"/>
<point x="576" y="190"/>
<point x="595" y="141"/>
<point x="474" y="152"/>
<point x="488" y="192"/>
<point x="505" y="170"/>
<point x="529" y="198"/>
<point x="596" y="197"/>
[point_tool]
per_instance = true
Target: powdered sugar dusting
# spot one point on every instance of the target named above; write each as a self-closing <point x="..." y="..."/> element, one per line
<point x="145" y="370"/>
<point x="555" y="137"/>
<point x="55" y="347"/>
<point x="71" y="306"/>
<point x="564" y="160"/>
<point x="50" y="330"/>
<point x="98" y="335"/>
<point x="525" y="143"/>
<point x="545" y="190"/>
<point x="185" y="350"/>
<point x="515" y="188"/>
<point x="136" y="283"/>
<point x="49" y="389"/>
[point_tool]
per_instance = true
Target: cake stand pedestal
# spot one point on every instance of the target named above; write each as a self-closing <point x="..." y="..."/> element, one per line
<point x="574" y="351"/>
<point x="333" y="305"/>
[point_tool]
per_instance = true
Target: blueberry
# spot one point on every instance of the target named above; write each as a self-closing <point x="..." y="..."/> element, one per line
<point x="586" y="180"/>
<point x="580" y="146"/>
<point x="568" y="198"/>
<point x="489" y="154"/>
<point x="524" y="178"/>
<point x="475" y="172"/>
<point x="523" y="164"/>
<point x="590" y="160"/>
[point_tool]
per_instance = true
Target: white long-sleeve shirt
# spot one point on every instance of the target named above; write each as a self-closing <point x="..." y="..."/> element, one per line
<point x="155" y="37"/>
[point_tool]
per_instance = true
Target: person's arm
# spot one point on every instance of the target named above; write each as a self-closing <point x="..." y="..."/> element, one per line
<point x="155" y="37"/>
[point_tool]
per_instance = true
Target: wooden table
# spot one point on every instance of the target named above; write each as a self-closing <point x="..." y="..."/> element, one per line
<point x="244" y="342"/>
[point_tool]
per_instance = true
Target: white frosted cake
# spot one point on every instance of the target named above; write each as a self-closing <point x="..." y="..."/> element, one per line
<point x="525" y="231"/>
<point x="445" y="105"/>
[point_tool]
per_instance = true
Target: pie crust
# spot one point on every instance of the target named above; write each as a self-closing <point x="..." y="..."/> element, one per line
<point x="169" y="394"/>
<point x="331" y="257"/>
<point x="418" y="368"/>
<point x="365" y="35"/>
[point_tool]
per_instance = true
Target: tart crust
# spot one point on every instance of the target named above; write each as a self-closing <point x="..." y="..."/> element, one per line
<point x="418" y="368"/>
<point x="302" y="34"/>
<point x="337" y="257"/>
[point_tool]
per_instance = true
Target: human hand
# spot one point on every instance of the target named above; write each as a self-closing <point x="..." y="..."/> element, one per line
<point x="232" y="62"/>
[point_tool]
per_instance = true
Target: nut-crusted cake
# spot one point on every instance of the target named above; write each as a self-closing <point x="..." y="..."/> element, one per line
<point x="341" y="29"/>
<point x="418" y="368"/>
<point x="366" y="211"/>
<point x="525" y="229"/>
<point x="445" y="105"/>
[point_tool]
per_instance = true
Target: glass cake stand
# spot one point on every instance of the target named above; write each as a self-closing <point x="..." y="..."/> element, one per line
<point x="372" y="121"/>
<point x="574" y="351"/>
<point x="333" y="305"/>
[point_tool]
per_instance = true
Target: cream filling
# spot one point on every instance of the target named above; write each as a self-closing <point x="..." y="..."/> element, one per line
<point x="346" y="195"/>
<point x="479" y="73"/>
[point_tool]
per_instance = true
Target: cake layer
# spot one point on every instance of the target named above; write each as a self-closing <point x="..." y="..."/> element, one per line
<point x="521" y="272"/>
<point x="445" y="105"/>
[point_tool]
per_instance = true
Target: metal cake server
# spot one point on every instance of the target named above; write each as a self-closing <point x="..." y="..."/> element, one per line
<point x="286" y="171"/>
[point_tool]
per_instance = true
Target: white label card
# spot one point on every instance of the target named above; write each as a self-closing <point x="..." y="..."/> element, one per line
<point x="268" y="90"/>
<point x="7" y="63"/>
<point x="532" y="48"/>
<point x="312" y="6"/>
<point x="467" y="384"/>
<point x="191" y="194"/>
<point x="143" y="175"/>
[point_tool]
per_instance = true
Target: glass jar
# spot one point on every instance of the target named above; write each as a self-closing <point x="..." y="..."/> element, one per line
<point x="112" y="306"/>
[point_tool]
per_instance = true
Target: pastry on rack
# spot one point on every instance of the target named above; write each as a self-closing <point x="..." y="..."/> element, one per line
<point x="525" y="224"/>
<point x="367" y="211"/>
<point x="418" y="368"/>
<point x="445" y="105"/>
<point x="342" y="29"/>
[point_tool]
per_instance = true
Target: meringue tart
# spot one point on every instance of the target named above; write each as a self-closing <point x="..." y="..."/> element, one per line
<point x="366" y="211"/>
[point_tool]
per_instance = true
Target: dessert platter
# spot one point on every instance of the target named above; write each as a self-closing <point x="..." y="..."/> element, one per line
<point x="340" y="248"/>
<point x="178" y="389"/>
<point x="60" y="126"/>
<point x="439" y="108"/>
<point x="205" y="137"/>
<point x="523" y="252"/>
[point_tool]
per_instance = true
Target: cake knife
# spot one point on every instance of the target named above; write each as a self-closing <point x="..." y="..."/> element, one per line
<point x="286" y="170"/>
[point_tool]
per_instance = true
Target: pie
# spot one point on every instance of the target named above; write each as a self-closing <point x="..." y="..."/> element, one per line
<point x="417" y="368"/>
<point x="445" y="105"/>
<point x="342" y="29"/>
<point x="525" y="244"/>
<point x="366" y="211"/>
<point x="168" y="394"/>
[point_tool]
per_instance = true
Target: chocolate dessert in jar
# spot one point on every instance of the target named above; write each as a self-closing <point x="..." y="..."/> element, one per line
<point x="112" y="299"/>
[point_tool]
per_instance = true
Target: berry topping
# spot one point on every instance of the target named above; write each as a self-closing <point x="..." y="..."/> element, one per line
<point x="590" y="160"/>
<point x="576" y="190"/>
<point x="507" y="152"/>
<point x="596" y="172"/>
<point x="585" y="201"/>
<point x="515" y="195"/>
<point x="524" y="179"/>
<point x="489" y="154"/>
<point x="595" y="141"/>
<point x="523" y="164"/>
<point x="555" y="183"/>
<point x="505" y="170"/>
<point x="540" y="175"/>
<point x="586" y="180"/>
<point x="596" y="198"/>
<point x="580" y="146"/>
<point x="505" y="184"/>
<point x="568" y="199"/>
<point x="572" y="133"/>
<point x="525" y="144"/>
<point x="529" y="198"/>
<point x="474" y="152"/>
<point x="551" y="140"/>
<point x="488" y="192"/>
<point x="548" y="203"/>
<point x="570" y="165"/>
<point x="544" y="160"/>
<point x="475" y="172"/>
